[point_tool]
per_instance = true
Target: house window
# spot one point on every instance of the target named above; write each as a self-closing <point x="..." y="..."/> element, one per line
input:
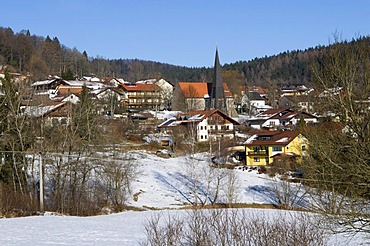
<point x="264" y="138"/>
<point x="55" y="122"/>
<point x="205" y="136"/>
<point x="303" y="147"/>
<point x="201" y="136"/>
<point x="272" y="123"/>
<point x="277" y="148"/>
<point x="256" y="159"/>
<point x="267" y="160"/>
<point x="63" y="121"/>
<point x="201" y="127"/>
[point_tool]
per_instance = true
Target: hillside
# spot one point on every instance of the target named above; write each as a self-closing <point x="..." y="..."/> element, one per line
<point x="163" y="185"/>
<point x="41" y="56"/>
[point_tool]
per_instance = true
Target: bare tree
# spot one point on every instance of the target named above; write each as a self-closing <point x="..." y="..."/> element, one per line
<point x="116" y="176"/>
<point x="338" y="167"/>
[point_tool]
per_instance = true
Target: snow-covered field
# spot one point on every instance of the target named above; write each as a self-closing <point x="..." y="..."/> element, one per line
<point x="166" y="184"/>
<point x="169" y="183"/>
<point x="125" y="228"/>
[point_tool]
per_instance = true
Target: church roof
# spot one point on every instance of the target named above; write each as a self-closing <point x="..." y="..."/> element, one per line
<point x="194" y="89"/>
<point x="200" y="89"/>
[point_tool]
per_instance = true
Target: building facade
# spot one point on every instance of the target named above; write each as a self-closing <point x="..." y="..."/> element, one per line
<point x="262" y="146"/>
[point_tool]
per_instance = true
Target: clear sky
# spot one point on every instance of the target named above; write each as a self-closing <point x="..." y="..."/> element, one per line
<point x="187" y="32"/>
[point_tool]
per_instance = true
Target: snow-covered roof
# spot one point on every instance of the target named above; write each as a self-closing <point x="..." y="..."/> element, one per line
<point x="271" y="138"/>
<point x="196" y="117"/>
<point x="251" y="139"/>
<point x="75" y="83"/>
<point x="170" y="122"/>
<point x="147" y="81"/>
<point x="38" y="111"/>
<point x="165" y="114"/>
<point x="43" y="82"/>
<point x="282" y="140"/>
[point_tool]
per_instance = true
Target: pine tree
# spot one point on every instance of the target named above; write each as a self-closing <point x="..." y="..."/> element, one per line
<point x="85" y="117"/>
<point x="68" y="75"/>
<point x="15" y="137"/>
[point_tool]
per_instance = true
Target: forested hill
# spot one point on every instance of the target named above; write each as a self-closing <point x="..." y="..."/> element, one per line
<point x="42" y="56"/>
<point x="290" y="67"/>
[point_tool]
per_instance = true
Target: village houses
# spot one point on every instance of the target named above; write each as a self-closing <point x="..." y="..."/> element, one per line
<point x="280" y="118"/>
<point x="210" y="110"/>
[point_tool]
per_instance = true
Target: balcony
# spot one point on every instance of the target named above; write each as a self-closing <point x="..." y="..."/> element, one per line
<point x="144" y="96"/>
<point x="213" y="131"/>
<point x="258" y="153"/>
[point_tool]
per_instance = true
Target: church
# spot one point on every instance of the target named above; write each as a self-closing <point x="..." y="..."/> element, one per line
<point x="206" y="96"/>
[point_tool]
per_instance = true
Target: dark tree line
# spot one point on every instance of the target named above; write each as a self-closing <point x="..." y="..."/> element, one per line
<point x="40" y="56"/>
<point x="290" y="67"/>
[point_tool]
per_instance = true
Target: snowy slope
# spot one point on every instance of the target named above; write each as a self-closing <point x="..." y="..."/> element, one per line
<point x="127" y="228"/>
<point x="169" y="183"/>
<point x="162" y="183"/>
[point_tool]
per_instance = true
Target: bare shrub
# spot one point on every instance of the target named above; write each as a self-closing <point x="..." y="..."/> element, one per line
<point x="16" y="204"/>
<point x="289" y="195"/>
<point x="169" y="234"/>
<point x="235" y="227"/>
<point x="83" y="185"/>
<point x="116" y="176"/>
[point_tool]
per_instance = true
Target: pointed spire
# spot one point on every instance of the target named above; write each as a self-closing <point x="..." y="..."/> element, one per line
<point x="218" y="95"/>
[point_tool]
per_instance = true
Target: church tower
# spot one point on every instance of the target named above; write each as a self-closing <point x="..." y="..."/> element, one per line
<point x="218" y="100"/>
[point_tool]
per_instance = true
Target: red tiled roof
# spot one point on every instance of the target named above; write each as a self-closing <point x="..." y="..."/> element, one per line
<point x="201" y="112"/>
<point x="207" y="113"/>
<point x="194" y="89"/>
<point x="273" y="111"/>
<point x="291" y="115"/>
<point x="140" y="87"/>
<point x="66" y="90"/>
<point x="199" y="89"/>
<point x="227" y="92"/>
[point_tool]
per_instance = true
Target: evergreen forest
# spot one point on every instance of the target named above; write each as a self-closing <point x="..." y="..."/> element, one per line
<point x="39" y="57"/>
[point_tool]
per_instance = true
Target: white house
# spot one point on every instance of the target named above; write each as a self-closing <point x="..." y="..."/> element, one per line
<point x="207" y="124"/>
<point x="254" y="103"/>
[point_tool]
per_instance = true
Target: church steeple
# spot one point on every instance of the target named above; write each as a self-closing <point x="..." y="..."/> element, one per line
<point x="218" y="95"/>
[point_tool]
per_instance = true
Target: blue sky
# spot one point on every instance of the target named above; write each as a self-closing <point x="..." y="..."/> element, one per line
<point x="187" y="32"/>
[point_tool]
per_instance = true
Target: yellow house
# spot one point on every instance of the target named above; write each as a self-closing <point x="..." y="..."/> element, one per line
<point x="260" y="147"/>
